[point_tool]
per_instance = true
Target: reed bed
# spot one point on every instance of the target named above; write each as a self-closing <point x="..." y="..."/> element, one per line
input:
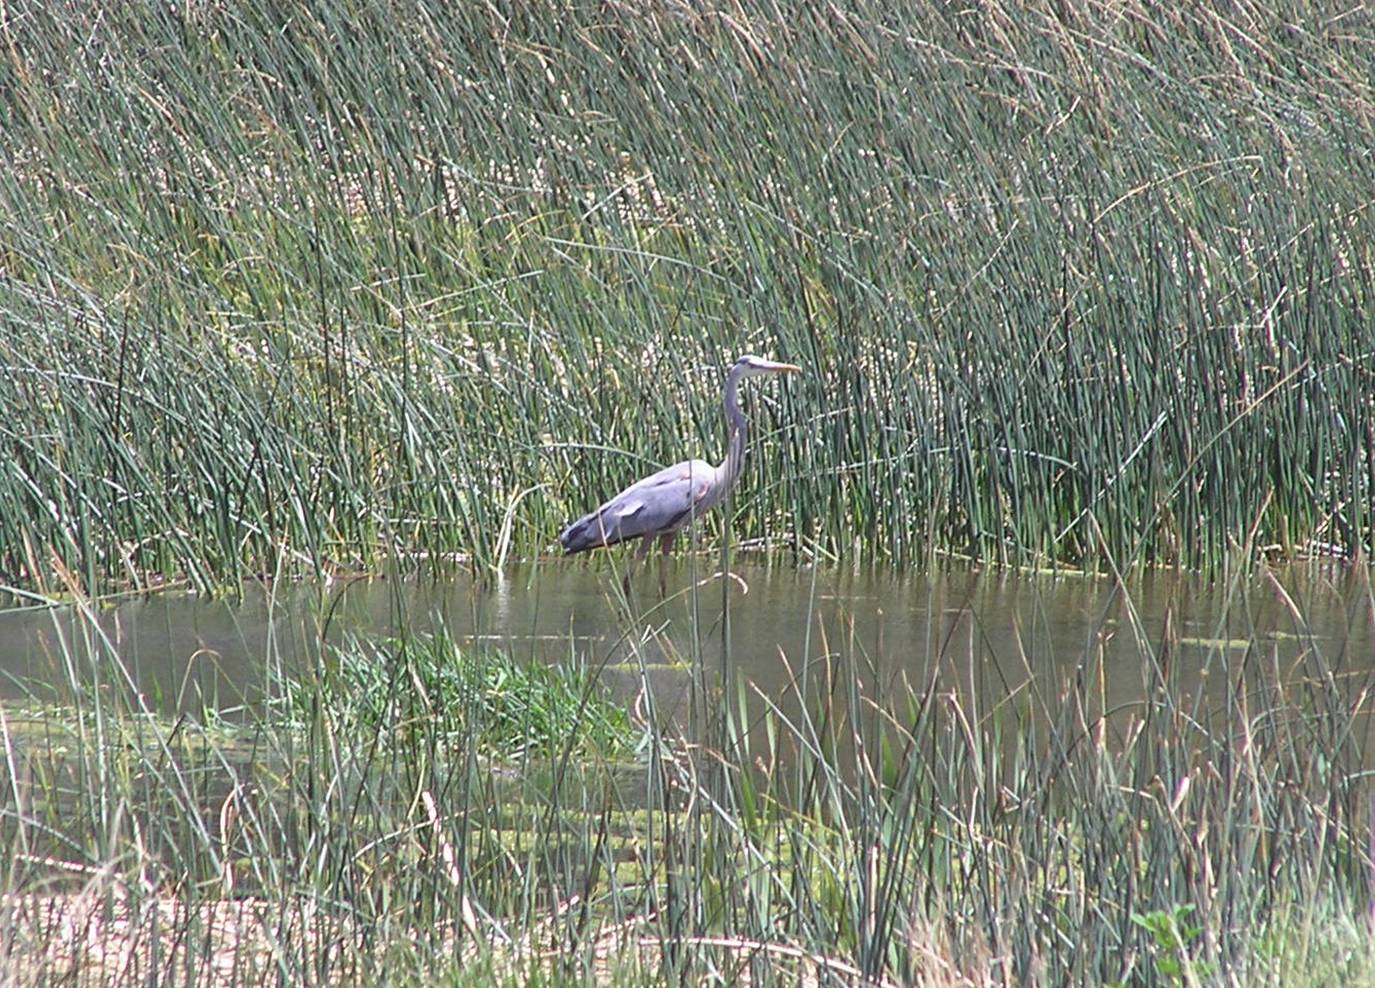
<point x="300" y="292"/>
<point x="361" y="826"/>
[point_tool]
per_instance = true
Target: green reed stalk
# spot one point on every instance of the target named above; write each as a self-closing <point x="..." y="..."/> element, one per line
<point x="367" y="282"/>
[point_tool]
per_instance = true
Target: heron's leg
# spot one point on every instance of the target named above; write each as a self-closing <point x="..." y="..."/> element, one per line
<point x="665" y="547"/>
<point x="639" y="557"/>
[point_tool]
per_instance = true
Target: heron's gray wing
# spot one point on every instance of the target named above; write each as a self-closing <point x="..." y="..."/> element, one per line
<point x="659" y="503"/>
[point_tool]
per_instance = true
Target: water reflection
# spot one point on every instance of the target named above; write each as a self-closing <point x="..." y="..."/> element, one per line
<point x="985" y="635"/>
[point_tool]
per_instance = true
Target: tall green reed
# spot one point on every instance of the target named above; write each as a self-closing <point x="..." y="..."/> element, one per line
<point x="368" y="281"/>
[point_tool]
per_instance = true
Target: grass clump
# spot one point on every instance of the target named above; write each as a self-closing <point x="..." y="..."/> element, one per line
<point x="477" y="697"/>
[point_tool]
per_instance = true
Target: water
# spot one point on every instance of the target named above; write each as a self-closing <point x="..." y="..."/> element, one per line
<point x="986" y="635"/>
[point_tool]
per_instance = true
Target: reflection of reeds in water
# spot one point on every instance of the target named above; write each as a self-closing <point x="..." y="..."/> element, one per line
<point x="405" y="812"/>
<point x="369" y="282"/>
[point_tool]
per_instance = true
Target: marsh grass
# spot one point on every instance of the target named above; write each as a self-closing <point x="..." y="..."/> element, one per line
<point x="490" y="703"/>
<point x="291" y="295"/>
<point x="855" y="829"/>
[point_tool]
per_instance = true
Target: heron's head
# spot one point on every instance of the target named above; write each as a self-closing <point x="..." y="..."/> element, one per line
<point x="750" y="366"/>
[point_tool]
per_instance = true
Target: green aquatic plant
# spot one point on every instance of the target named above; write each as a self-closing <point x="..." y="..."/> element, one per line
<point x="507" y="709"/>
<point x="1173" y="937"/>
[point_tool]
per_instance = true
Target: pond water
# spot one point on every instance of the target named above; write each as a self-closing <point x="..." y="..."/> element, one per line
<point x="987" y="635"/>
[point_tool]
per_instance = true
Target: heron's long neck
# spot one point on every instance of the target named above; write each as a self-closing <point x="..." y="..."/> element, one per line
<point x="735" y="441"/>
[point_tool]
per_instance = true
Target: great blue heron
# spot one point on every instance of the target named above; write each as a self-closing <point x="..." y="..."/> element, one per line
<point x="663" y="503"/>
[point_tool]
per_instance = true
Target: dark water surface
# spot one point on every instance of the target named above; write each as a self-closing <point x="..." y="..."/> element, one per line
<point x="986" y="635"/>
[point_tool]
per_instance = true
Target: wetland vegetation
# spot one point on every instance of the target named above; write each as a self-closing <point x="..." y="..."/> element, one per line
<point x="295" y="294"/>
<point x="414" y="812"/>
<point x="400" y="288"/>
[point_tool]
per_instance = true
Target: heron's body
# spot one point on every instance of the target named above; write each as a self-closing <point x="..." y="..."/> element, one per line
<point x="663" y="503"/>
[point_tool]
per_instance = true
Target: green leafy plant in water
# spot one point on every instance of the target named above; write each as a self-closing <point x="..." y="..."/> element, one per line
<point x="1173" y="937"/>
<point x="504" y="707"/>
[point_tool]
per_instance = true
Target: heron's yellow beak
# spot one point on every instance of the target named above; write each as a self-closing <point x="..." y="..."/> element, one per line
<point x="750" y="364"/>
